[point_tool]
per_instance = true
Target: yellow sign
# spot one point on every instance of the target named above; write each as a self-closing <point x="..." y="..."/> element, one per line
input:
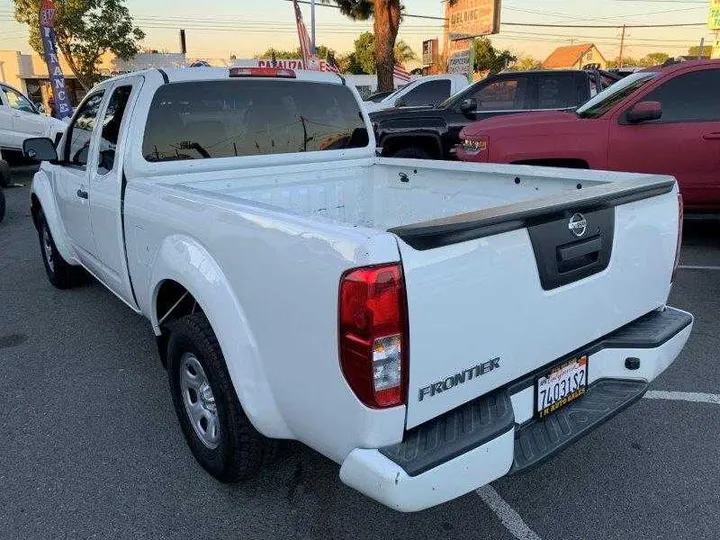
<point x="472" y="18"/>
<point x="714" y="16"/>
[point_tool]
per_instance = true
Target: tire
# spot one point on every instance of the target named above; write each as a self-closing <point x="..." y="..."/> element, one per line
<point x="412" y="153"/>
<point x="2" y="205"/>
<point x="226" y="445"/>
<point x="60" y="274"/>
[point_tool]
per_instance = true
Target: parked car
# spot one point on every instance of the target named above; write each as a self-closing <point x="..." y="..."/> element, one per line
<point x="4" y="181"/>
<point x="365" y="306"/>
<point x="425" y="91"/>
<point x="21" y="119"/>
<point x="664" y="121"/>
<point x="433" y="132"/>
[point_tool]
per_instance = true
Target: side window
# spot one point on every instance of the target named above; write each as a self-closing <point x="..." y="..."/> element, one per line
<point x="429" y="93"/>
<point x="79" y="132"/>
<point x="111" y="128"/>
<point x="692" y="97"/>
<point x="556" y="91"/>
<point x="504" y="95"/>
<point x="18" y="101"/>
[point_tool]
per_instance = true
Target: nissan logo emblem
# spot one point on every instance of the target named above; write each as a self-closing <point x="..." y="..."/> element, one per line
<point x="578" y="225"/>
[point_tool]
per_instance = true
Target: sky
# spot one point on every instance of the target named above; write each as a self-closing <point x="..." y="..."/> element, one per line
<point x="219" y="28"/>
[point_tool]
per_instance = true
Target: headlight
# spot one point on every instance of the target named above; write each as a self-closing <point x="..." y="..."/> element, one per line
<point x="473" y="146"/>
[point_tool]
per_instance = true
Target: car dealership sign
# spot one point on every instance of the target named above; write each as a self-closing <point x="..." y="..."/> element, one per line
<point x="472" y="18"/>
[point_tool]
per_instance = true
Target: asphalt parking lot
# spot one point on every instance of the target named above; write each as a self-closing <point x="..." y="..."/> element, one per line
<point x="91" y="447"/>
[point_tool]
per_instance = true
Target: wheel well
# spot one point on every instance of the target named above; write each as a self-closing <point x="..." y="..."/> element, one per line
<point x="35" y="208"/>
<point x="429" y="145"/>
<point x="173" y="301"/>
<point x="567" y="163"/>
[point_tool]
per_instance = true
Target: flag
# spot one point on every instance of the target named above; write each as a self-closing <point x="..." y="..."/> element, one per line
<point x="61" y="98"/>
<point x="309" y="58"/>
<point x="400" y="73"/>
<point x="332" y="65"/>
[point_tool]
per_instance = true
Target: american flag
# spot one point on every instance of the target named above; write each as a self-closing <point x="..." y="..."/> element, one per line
<point x="310" y="60"/>
<point x="400" y="73"/>
<point x="332" y="65"/>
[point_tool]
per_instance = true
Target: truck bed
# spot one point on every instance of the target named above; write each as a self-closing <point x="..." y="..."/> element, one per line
<point x="391" y="193"/>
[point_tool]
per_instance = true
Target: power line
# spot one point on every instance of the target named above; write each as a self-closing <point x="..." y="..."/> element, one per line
<point x="616" y="26"/>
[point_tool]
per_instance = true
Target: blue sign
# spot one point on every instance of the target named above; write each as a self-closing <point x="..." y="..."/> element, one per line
<point x="62" y="108"/>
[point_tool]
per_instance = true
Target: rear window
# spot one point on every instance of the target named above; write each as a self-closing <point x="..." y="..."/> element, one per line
<point x="215" y="119"/>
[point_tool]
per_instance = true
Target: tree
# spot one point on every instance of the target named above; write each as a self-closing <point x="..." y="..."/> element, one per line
<point x="350" y="64"/>
<point x="386" y="16"/>
<point x="488" y="58"/>
<point x="655" y="59"/>
<point x="365" y="52"/>
<point x="322" y="52"/>
<point x="526" y="63"/>
<point x="85" y="30"/>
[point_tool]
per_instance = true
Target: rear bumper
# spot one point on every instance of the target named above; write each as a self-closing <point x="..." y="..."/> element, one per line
<point x="497" y="434"/>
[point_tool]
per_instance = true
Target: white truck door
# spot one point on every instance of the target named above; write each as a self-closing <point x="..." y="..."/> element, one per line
<point x="26" y="120"/>
<point x="106" y="188"/>
<point x="8" y="138"/>
<point x="71" y="177"/>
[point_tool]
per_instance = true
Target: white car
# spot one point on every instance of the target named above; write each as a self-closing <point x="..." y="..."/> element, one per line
<point x="429" y="325"/>
<point x="422" y="92"/>
<point x="20" y="119"/>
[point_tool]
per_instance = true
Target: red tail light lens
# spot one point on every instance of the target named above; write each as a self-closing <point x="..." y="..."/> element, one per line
<point x="681" y="213"/>
<point x="373" y="334"/>
<point x="262" y="72"/>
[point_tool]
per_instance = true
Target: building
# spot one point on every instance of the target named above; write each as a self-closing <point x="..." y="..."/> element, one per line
<point x="575" y="57"/>
<point x="28" y="72"/>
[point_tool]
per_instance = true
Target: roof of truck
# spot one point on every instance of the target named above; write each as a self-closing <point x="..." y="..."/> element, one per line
<point x="213" y="73"/>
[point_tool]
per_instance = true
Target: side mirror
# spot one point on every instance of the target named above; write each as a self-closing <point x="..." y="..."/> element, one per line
<point x="645" y="111"/>
<point x="401" y="103"/>
<point x="41" y="108"/>
<point x="469" y="105"/>
<point x="40" y="149"/>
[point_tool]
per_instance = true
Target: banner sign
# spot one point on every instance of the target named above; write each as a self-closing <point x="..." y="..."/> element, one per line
<point x="63" y="109"/>
<point x="714" y="16"/>
<point x="459" y="63"/>
<point x="292" y="63"/>
<point x="472" y="18"/>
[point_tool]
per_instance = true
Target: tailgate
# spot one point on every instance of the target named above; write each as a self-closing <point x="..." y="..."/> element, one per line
<point x="496" y="294"/>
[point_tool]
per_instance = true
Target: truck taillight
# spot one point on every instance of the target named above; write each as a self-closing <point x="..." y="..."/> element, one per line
<point x="373" y="334"/>
<point x="262" y="72"/>
<point x="679" y="238"/>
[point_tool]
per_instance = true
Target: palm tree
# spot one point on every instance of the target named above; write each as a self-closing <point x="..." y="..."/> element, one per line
<point x="386" y="15"/>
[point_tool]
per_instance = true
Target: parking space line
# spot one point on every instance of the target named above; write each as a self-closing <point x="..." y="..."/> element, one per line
<point x="508" y="516"/>
<point x="695" y="267"/>
<point x="697" y="397"/>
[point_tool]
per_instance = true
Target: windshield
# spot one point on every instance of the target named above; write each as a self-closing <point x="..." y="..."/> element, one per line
<point x="388" y="98"/>
<point x="614" y="94"/>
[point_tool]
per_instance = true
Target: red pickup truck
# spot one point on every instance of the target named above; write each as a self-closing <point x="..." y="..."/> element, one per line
<point x="664" y="121"/>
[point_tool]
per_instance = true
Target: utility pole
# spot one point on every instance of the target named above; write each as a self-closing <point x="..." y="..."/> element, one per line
<point x="700" y="50"/>
<point x="312" y="24"/>
<point x="622" y="46"/>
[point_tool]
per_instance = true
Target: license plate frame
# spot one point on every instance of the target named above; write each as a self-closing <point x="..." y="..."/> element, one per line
<point x="572" y="366"/>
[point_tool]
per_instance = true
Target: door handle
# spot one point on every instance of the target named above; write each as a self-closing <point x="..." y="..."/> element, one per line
<point x="82" y="194"/>
<point x="711" y="136"/>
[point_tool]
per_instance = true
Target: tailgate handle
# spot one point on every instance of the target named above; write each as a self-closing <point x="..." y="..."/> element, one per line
<point x="575" y="251"/>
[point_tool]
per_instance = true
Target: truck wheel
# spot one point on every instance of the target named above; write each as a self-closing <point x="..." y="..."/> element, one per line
<point x="411" y="153"/>
<point x="220" y="436"/>
<point x="61" y="274"/>
<point x="2" y="205"/>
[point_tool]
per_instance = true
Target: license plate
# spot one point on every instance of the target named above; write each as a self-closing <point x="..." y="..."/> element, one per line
<point x="561" y="385"/>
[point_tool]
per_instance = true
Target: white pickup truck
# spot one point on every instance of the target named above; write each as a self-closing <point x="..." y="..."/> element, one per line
<point x="429" y="90"/>
<point x="431" y="326"/>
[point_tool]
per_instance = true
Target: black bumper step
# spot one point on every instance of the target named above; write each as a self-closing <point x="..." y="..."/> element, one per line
<point x="452" y="434"/>
<point x="649" y="331"/>
<point x="539" y="440"/>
